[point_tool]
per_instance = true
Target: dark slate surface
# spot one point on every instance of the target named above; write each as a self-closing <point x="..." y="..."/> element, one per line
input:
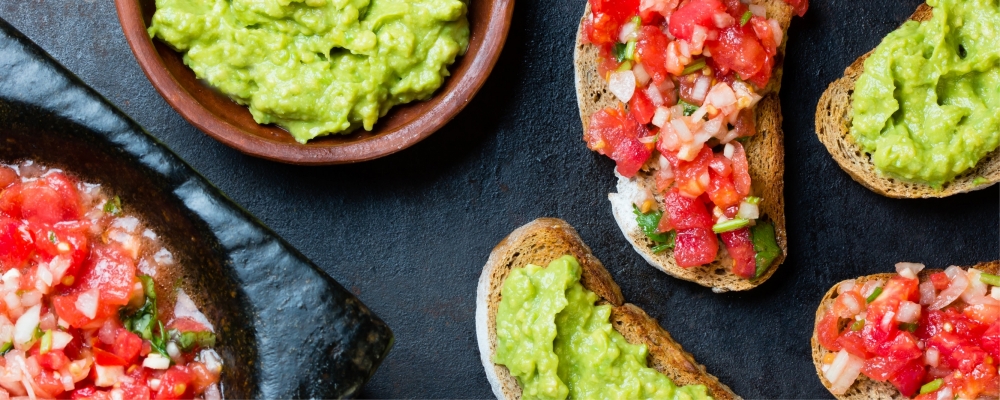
<point x="285" y="328"/>
<point x="409" y="233"/>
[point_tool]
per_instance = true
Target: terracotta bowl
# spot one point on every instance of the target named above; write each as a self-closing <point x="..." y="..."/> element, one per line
<point x="232" y="124"/>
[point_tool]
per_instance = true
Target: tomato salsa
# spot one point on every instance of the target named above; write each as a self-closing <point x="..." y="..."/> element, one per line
<point x="939" y="339"/>
<point x="80" y="315"/>
<point x="688" y="74"/>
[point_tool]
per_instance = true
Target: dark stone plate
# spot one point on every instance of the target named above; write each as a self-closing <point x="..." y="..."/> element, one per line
<point x="286" y="329"/>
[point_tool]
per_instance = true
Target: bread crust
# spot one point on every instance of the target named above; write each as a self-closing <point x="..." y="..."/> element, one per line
<point x="865" y="388"/>
<point x="765" y="153"/>
<point x="543" y="240"/>
<point x="833" y="122"/>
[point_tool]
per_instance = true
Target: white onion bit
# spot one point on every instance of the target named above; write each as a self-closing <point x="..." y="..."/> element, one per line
<point x="622" y="85"/>
<point x="909" y="270"/>
<point x="958" y="284"/>
<point x="843" y="372"/>
<point x="909" y="312"/>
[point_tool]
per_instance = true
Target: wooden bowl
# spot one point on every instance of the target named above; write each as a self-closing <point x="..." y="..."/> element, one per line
<point x="230" y="123"/>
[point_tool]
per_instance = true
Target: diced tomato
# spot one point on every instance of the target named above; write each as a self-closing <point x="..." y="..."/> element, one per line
<point x="694" y="12"/>
<point x="692" y="176"/>
<point x="695" y="246"/>
<point x="48" y="384"/>
<point x="848" y="304"/>
<point x="51" y="199"/>
<point x="53" y="360"/>
<point x="740" y="248"/>
<point x="136" y="388"/>
<point x="722" y="191"/>
<point x="185" y="324"/>
<point x="741" y="170"/>
<point x="175" y="384"/>
<point x="65" y="307"/>
<point x="685" y="212"/>
<point x="202" y="378"/>
<point x="940" y="280"/>
<point x="641" y="107"/>
<point x="601" y="29"/>
<point x="7" y="177"/>
<point x="990" y="341"/>
<point x="853" y="343"/>
<point x="937" y="322"/>
<point x="721" y="165"/>
<point x="47" y="239"/>
<point x="15" y="244"/>
<point x="686" y="86"/>
<point x="903" y="347"/>
<point x="738" y="49"/>
<point x="800" y="6"/>
<point x="736" y="8"/>
<point x="127" y="345"/>
<point x="908" y="378"/>
<point x="619" y="10"/>
<point x="90" y="393"/>
<point x="650" y="50"/>
<point x="965" y="358"/>
<point x="615" y="134"/>
<point x="985" y="314"/>
<point x="664" y="178"/>
<point x="882" y="368"/>
<point x="827" y="332"/>
<point x="106" y="358"/>
<point x="111" y="271"/>
<point x="745" y="124"/>
<point x="608" y="17"/>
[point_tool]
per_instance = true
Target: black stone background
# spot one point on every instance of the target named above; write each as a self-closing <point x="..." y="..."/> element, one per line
<point x="409" y="233"/>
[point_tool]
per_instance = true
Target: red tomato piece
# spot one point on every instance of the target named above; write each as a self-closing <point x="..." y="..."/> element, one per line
<point x="965" y="358"/>
<point x="985" y="314"/>
<point x="827" y="332"/>
<point x="619" y="10"/>
<point x="903" y="347"/>
<point x="990" y="341"/>
<point x="601" y="29"/>
<point x="202" y="378"/>
<point x="51" y="199"/>
<point x="721" y="165"/>
<point x="175" y="384"/>
<point x="940" y="280"/>
<point x="90" y="393"/>
<point x="694" y="12"/>
<point x="685" y="88"/>
<point x="15" y="244"/>
<point x="882" y="368"/>
<point x="738" y="49"/>
<point x="53" y="360"/>
<point x="741" y="170"/>
<point x="186" y="324"/>
<point x="685" y="212"/>
<point x="909" y="378"/>
<point x="695" y="246"/>
<point x="136" y="388"/>
<point x="641" y="107"/>
<point x="800" y="6"/>
<point x="853" y="343"/>
<point x="846" y="302"/>
<point x="47" y="239"/>
<point x="617" y="135"/>
<point x="107" y="358"/>
<point x="746" y="124"/>
<point x="762" y="29"/>
<point x="7" y="177"/>
<point x="692" y="176"/>
<point x="47" y="383"/>
<point x="740" y="248"/>
<point x="664" y="178"/>
<point x="111" y="271"/>
<point x="722" y="191"/>
<point x="65" y="307"/>
<point x="650" y="50"/>
<point x="127" y="345"/>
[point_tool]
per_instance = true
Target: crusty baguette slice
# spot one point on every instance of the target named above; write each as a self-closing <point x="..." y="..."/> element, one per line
<point x="765" y="153"/>
<point x="865" y="388"/>
<point x="833" y="123"/>
<point x="543" y="240"/>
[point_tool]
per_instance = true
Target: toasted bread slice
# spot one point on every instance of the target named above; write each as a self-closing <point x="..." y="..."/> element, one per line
<point x="765" y="153"/>
<point x="833" y="124"/>
<point x="865" y="388"/>
<point x="543" y="240"/>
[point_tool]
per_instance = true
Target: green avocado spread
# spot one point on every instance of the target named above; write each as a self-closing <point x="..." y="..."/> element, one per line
<point x="926" y="106"/>
<point x="316" y="67"/>
<point x="558" y="344"/>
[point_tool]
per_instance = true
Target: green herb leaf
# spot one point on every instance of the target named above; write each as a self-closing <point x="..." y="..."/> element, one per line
<point x="730" y="225"/>
<point x="649" y="222"/>
<point x="147" y="286"/>
<point x="6" y="347"/>
<point x="694" y="66"/>
<point x="627" y="65"/>
<point x="858" y="325"/>
<point x="989" y="279"/>
<point x="874" y="294"/>
<point x="666" y="246"/>
<point x="618" y="51"/>
<point x="630" y="50"/>
<point x="931" y="386"/>
<point x="113" y="206"/>
<point x="52" y="237"/>
<point x="189" y="340"/>
<point x="765" y="245"/>
<point x="688" y="107"/>
<point x="746" y="18"/>
<point x="144" y="320"/>
<point x="908" y="327"/>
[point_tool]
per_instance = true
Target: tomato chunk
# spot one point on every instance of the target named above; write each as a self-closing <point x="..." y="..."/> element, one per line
<point x="616" y="135"/>
<point x="695" y="246"/>
<point x="740" y="248"/>
<point x="650" y="50"/>
<point x="111" y="271"/>
<point x="694" y="12"/>
<point x="685" y="212"/>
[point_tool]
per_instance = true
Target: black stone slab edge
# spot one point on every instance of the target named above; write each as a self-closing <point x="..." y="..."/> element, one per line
<point x="305" y="335"/>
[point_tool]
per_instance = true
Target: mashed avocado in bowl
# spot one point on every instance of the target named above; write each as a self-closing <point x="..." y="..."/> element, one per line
<point x="925" y="107"/>
<point x="317" y="67"/>
<point x="558" y="344"/>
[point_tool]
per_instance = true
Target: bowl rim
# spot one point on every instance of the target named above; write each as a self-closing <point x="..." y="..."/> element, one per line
<point x="423" y="125"/>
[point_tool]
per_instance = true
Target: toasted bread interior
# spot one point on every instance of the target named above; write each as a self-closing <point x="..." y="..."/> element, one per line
<point x="543" y="240"/>
<point x="765" y="153"/>
<point x="865" y="388"/>
<point x="833" y="124"/>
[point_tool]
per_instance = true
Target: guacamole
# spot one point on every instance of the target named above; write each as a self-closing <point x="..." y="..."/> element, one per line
<point x="316" y="67"/>
<point x="557" y="343"/>
<point x="925" y="107"/>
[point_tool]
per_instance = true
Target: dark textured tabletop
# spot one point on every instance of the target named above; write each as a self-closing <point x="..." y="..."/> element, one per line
<point x="409" y="234"/>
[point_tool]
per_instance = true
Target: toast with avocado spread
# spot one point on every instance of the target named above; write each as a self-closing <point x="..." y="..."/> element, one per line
<point x="764" y="153"/>
<point x="833" y="124"/>
<point x="543" y="241"/>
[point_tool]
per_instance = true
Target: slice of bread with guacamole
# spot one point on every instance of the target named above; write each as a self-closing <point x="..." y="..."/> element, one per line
<point x="521" y="257"/>
<point x="902" y="151"/>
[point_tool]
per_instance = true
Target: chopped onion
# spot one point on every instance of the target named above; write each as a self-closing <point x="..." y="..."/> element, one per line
<point x="954" y="271"/>
<point x="944" y="394"/>
<point x="723" y="19"/>
<point x="641" y="196"/>
<point x="909" y="270"/>
<point x="156" y="361"/>
<point x="721" y="95"/>
<point x="729" y="150"/>
<point x="24" y="329"/>
<point x="927" y="293"/>
<point x="622" y="85"/>
<point x="758" y="10"/>
<point x="660" y="116"/>
<point x="846" y="286"/>
<point x="628" y="32"/>
<point x="887" y="320"/>
<point x="843" y="371"/>
<point x="699" y="113"/>
<point x="688" y="152"/>
<point x="869" y="287"/>
<point x="958" y="284"/>
<point x="641" y="75"/>
<point x="932" y="357"/>
<point x="107" y="333"/>
<point x="654" y="95"/>
<point x="776" y="30"/>
<point x="701" y="87"/>
<point x="66" y="379"/>
<point x="995" y="293"/>
<point x="108" y="376"/>
<point x="853" y="307"/>
<point x="909" y="312"/>
<point x="976" y="287"/>
<point x="60" y="340"/>
<point x="86" y="303"/>
<point x="30" y="298"/>
<point x="683" y="133"/>
<point x="748" y="211"/>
